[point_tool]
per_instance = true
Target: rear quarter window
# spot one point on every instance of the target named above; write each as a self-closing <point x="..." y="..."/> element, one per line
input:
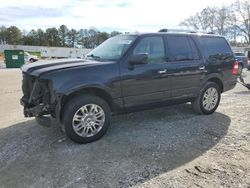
<point x="216" y="48"/>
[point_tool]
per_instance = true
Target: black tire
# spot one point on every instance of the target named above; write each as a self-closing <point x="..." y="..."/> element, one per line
<point x="198" y="102"/>
<point x="73" y="106"/>
<point x="32" y="60"/>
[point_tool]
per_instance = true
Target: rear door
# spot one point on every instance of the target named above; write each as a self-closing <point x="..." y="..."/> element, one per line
<point x="187" y="65"/>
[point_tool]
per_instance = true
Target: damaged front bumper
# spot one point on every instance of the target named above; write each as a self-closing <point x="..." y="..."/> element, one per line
<point x="38" y="100"/>
<point x="33" y="111"/>
<point x="40" y="114"/>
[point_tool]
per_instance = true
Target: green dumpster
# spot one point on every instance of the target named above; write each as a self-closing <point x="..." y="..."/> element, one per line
<point x="14" y="58"/>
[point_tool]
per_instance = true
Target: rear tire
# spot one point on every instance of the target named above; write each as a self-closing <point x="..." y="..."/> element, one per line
<point x="208" y="99"/>
<point x="86" y="118"/>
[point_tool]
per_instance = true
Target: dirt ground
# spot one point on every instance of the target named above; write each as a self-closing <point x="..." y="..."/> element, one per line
<point x="167" y="147"/>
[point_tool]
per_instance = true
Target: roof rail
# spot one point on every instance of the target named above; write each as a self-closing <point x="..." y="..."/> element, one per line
<point x="184" y="31"/>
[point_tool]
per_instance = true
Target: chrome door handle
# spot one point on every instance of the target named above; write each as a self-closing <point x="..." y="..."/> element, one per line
<point x="202" y="68"/>
<point x="162" y="71"/>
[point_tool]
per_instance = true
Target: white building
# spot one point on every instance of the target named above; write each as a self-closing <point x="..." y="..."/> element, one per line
<point x="48" y="52"/>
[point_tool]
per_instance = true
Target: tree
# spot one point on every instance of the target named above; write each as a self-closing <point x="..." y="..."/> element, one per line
<point x="114" y="33"/>
<point x="41" y="37"/>
<point x="222" y="20"/>
<point x="93" y="38"/>
<point x="3" y="35"/>
<point x="63" y="33"/>
<point x="191" y="23"/>
<point x="242" y="18"/>
<point x="210" y="19"/>
<point x="13" y="35"/>
<point x="83" y="37"/>
<point x="230" y="21"/>
<point x="52" y="37"/>
<point x="88" y="38"/>
<point x="30" y="38"/>
<point x="72" y="38"/>
<point x="208" y="16"/>
<point x="101" y="37"/>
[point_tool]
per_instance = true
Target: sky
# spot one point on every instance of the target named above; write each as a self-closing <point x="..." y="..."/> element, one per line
<point x="105" y="15"/>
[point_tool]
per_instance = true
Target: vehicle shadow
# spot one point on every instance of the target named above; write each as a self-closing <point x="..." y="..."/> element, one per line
<point x="137" y="148"/>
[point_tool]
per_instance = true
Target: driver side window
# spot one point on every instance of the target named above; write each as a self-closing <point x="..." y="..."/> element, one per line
<point x="153" y="47"/>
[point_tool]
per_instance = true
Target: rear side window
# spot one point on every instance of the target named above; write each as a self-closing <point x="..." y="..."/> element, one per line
<point x="215" y="46"/>
<point x="196" y="54"/>
<point x="181" y="48"/>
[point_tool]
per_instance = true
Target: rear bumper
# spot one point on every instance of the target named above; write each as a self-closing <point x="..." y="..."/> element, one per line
<point x="228" y="85"/>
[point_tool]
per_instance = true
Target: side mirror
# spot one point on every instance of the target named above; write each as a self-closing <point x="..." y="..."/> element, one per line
<point x="138" y="59"/>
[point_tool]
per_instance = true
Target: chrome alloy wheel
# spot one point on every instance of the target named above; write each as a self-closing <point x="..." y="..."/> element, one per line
<point x="210" y="99"/>
<point x="88" y="120"/>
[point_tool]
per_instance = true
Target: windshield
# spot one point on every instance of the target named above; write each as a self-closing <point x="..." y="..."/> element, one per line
<point x="113" y="48"/>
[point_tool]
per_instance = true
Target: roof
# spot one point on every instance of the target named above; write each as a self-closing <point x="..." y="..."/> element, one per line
<point x="175" y="33"/>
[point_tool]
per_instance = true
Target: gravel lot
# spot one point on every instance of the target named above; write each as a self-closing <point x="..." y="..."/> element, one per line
<point x="167" y="147"/>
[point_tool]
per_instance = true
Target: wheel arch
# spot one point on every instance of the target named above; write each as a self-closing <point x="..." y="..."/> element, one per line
<point x="218" y="81"/>
<point x="97" y="91"/>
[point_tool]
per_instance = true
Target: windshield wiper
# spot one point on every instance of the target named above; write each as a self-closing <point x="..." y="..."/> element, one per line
<point x="93" y="56"/>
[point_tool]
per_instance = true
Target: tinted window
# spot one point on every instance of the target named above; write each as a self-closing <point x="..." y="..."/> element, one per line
<point x="154" y="47"/>
<point x="215" y="46"/>
<point x="180" y="48"/>
<point x="195" y="52"/>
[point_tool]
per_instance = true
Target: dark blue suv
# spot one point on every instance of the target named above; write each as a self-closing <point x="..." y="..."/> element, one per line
<point x="128" y="73"/>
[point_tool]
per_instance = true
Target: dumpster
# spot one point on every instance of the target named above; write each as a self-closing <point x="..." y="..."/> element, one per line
<point x="14" y="58"/>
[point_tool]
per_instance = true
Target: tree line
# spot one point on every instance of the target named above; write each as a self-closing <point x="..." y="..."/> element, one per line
<point x="59" y="37"/>
<point x="231" y="21"/>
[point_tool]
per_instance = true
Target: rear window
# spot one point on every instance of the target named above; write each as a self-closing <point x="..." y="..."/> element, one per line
<point x="215" y="46"/>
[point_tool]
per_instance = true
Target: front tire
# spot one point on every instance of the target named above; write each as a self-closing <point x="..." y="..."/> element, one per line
<point x="208" y="99"/>
<point x="86" y="118"/>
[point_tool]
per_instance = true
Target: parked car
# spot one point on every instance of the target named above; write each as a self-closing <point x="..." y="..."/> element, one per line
<point x="242" y="59"/>
<point x="128" y="73"/>
<point x="30" y="58"/>
<point x="248" y="65"/>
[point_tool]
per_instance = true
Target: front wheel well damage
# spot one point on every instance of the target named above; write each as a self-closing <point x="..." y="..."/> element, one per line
<point x="86" y="91"/>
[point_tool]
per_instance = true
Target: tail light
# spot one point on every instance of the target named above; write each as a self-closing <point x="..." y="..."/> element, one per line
<point x="235" y="70"/>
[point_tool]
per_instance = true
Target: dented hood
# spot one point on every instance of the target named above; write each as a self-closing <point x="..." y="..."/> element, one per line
<point x="45" y="66"/>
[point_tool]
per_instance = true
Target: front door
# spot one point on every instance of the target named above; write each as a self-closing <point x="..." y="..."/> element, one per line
<point x="146" y="83"/>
